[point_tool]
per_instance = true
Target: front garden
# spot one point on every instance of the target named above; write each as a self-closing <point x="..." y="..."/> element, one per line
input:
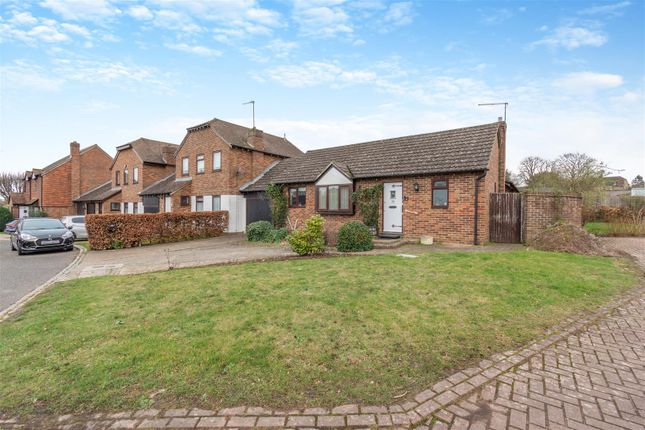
<point x="313" y="332"/>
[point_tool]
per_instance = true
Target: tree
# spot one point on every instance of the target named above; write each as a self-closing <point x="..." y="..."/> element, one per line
<point x="579" y="173"/>
<point x="530" y="167"/>
<point x="10" y="182"/>
<point x="638" y="182"/>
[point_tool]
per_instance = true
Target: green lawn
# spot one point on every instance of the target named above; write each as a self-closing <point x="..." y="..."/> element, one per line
<point x="289" y="333"/>
<point x="615" y="229"/>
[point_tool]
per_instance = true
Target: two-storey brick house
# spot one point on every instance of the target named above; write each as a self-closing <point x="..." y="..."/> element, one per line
<point x="136" y="166"/>
<point x="54" y="188"/>
<point x="213" y="161"/>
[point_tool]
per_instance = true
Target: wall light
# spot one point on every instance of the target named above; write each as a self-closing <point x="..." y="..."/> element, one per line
<point x="416" y="187"/>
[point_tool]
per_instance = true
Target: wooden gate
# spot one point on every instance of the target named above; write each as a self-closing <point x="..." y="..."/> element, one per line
<point x="505" y="217"/>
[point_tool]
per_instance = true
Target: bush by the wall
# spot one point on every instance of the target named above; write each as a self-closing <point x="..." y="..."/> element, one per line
<point x="280" y="234"/>
<point x="259" y="231"/>
<point x="354" y="237"/>
<point x="310" y="239"/>
<point x="37" y="213"/>
<point x="111" y="231"/>
<point x="5" y="216"/>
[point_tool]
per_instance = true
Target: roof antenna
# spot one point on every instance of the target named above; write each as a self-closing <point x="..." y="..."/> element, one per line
<point x="252" y="102"/>
<point x="496" y="104"/>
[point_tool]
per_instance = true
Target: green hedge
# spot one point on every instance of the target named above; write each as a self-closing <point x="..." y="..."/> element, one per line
<point x="309" y="240"/>
<point x="263" y="231"/>
<point x="354" y="237"/>
<point x="5" y="216"/>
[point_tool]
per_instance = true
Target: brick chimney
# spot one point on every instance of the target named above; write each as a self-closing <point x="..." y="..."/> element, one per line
<point x="168" y="153"/>
<point x="256" y="139"/>
<point x="75" y="160"/>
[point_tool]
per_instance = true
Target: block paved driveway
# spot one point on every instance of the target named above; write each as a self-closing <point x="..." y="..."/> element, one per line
<point x="595" y="379"/>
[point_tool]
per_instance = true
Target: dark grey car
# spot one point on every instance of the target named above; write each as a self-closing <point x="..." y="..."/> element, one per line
<point x="41" y="234"/>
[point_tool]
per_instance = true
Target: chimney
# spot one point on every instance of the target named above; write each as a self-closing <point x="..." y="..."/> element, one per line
<point x="168" y="154"/>
<point x="75" y="160"/>
<point x="500" y="119"/>
<point x="256" y="139"/>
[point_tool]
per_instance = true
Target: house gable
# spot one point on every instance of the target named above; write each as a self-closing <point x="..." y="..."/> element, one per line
<point x="333" y="176"/>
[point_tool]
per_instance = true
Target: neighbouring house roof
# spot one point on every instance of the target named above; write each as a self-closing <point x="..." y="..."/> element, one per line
<point x="98" y="194"/>
<point x="460" y="150"/>
<point x="149" y="150"/>
<point x="238" y="136"/>
<point x="167" y="185"/>
<point x="21" y="199"/>
<point x="510" y="187"/>
<point x="62" y="161"/>
<point x="616" y="182"/>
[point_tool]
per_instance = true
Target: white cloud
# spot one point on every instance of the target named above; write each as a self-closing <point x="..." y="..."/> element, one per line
<point x="606" y="9"/>
<point x="194" y="49"/>
<point x="21" y="75"/>
<point x="399" y="14"/>
<point x="80" y="10"/>
<point x="324" y="19"/>
<point x="100" y="106"/>
<point x="497" y="16"/>
<point x="588" y="82"/>
<point x="140" y="12"/>
<point x="313" y="73"/>
<point x="572" y="37"/>
<point x="28" y="29"/>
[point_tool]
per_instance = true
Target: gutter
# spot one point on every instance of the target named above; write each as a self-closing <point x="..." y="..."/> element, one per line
<point x="477" y="181"/>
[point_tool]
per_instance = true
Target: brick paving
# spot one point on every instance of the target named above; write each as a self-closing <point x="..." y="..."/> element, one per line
<point x="589" y="373"/>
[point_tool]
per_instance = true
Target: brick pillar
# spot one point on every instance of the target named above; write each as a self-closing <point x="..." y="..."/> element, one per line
<point x="256" y="139"/>
<point x="502" y="157"/>
<point x="75" y="159"/>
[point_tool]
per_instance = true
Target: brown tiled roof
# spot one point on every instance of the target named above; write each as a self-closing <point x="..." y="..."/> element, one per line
<point x="98" y="194"/>
<point x="61" y="161"/>
<point x="21" y="199"/>
<point x="237" y="135"/>
<point x="149" y="150"/>
<point x="460" y="150"/>
<point x="167" y="185"/>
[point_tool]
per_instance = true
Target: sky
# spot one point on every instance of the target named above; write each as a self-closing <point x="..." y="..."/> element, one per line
<point x="323" y="72"/>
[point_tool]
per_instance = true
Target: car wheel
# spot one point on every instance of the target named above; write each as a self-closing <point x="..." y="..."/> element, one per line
<point x="20" y="251"/>
<point x="13" y="248"/>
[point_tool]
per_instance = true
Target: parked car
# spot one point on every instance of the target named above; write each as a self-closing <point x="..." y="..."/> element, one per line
<point x="76" y="224"/>
<point x="10" y="227"/>
<point x="41" y="234"/>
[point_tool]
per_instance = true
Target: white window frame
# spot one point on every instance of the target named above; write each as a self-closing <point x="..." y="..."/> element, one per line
<point x="217" y="161"/>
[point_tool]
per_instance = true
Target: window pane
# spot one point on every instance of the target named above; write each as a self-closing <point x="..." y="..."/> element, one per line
<point x="293" y="196"/>
<point x="322" y="198"/>
<point x="199" y="204"/>
<point x="440" y="197"/>
<point x="217" y="203"/>
<point x="344" y="198"/>
<point x="200" y="164"/>
<point x="184" y="166"/>
<point x="333" y="198"/>
<point x="440" y="184"/>
<point x="217" y="160"/>
<point x="302" y="196"/>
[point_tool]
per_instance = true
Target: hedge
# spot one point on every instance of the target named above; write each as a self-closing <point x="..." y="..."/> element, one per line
<point x="354" y="237"/>
<point x="111" y="231"/>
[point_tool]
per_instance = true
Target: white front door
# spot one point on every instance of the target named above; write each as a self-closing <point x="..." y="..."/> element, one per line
<point x="393" y="207"/>
<point x="24" y="211"/>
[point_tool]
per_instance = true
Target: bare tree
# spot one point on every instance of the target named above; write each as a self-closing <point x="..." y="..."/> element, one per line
<point x="10" y="182"/>
<point x="532" y="166"/>
<point x="580" y="173"/>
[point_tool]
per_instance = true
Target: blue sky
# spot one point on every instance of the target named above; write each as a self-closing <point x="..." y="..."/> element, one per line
<point x="325" y="72"/>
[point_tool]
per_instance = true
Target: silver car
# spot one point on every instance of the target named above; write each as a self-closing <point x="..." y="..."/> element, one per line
<point x="76" y="224"/>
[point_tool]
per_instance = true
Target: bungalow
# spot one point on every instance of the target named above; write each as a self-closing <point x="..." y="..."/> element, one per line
<point x="54" y="188"/>
<point x="213" y="161"/>
<point x="434" y="184"/>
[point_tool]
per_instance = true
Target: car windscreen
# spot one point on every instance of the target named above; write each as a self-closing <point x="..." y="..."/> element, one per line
<point x="41" y="224"/>
<point x="78" y="220"/>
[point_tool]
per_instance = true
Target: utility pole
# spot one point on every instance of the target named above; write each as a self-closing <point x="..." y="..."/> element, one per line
<point x="496" y="104"/>
<point x="252" y="102"/>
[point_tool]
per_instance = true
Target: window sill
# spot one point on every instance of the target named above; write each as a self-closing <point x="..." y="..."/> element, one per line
<point x="440" y="207"/>
<point x="324" y="212"/>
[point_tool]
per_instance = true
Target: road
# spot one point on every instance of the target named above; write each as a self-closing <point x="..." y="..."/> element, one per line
<point x="20" y="275"/>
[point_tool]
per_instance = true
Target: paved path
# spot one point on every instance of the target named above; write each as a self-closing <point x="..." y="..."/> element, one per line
<point x="19" y="275"/>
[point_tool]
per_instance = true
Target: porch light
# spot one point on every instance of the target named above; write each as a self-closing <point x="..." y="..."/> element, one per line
<point x="416" y="187"/>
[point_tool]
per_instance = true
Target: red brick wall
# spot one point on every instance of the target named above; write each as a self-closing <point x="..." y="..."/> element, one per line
<point x="454" y="224"/>
<point x="239" y="166"/>
<point x="539" y="210"/>
<point x="106" y="204"/>
<point x="56" y="188"/>
<point x="94" y="169"/>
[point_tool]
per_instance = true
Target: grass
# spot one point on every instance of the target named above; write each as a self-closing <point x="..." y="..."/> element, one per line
<point x="290" y="333"/>
<point x="615" y="229"/>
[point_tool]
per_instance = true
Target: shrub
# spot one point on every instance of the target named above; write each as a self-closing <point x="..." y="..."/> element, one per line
<point x="111" y="231"/>
<point x="280" y="234"/>
<point x="259" y="231"/>
<point x="279" y="204"/>
<point x="310" y="239"/>
<point x="5" y="216"/>
<point x="37" y="213"/>
<point x="369" y="201"/>
<point x="353" y="237"/>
